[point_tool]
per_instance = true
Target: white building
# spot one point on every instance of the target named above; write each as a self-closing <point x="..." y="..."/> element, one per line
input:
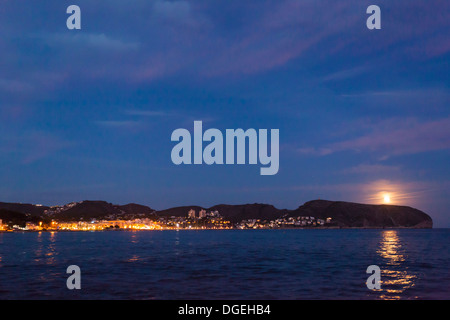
<point x="214" y="214"/>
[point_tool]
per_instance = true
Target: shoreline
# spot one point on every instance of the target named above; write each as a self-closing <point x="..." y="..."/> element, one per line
<point x="249" y="229"/>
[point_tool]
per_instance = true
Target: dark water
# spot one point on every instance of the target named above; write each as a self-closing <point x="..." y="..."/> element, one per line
<point x="231" y="264"/>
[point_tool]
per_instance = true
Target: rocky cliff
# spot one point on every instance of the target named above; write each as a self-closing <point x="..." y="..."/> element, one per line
<point x="348" y="214"/>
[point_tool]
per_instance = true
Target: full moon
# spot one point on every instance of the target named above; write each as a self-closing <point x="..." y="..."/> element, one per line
<point x="387" y="198"/>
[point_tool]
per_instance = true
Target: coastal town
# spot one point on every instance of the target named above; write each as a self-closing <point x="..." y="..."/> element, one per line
<point x="194" y="220"/>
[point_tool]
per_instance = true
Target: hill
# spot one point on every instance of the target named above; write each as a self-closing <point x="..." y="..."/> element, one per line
<point x="178" y="211"/>
<point x="25" y="208"/>
<point x="11" y="218"/>
<point x="88" y="210"/>
<point x="236" y="213"/>
<point x="356" y="215"/>
<point x="233" y="213"/>
<point x="342" y="214"/>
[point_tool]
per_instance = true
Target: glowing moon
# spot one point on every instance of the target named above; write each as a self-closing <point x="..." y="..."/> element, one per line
<point x="387" y="198"/>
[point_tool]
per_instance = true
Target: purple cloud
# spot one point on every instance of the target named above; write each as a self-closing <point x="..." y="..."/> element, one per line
<point x="33" y="146"/>
<point x="395" y="136"/>
<point x="404" y="137"/>
<point x="371" y="169"/>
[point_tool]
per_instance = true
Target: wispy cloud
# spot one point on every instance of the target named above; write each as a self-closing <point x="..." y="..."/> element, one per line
<point x="371" y="169"/>
<point x="346" y="73"/>
<point x="15" y="86"/>
<point x="403" y="137"/>
<point x="33" y="145"/>
<point x="202" y="40"/>
<point x="393" y="137"/>
<point x="115" y="124"/>
<point x="147" y="113"/>
<point x="411" y="94"/>
<point x="178" y="12"/>
<point x="88" y="40"/>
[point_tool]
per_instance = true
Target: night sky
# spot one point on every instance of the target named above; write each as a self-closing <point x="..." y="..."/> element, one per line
<point x="88" y="114"/>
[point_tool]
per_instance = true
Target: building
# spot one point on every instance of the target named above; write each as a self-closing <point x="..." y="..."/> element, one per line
<point x="32" y="226"/>
<point x="214" y="214"/>
<point x="202" y="213"/>
<point x="191" y="213"/>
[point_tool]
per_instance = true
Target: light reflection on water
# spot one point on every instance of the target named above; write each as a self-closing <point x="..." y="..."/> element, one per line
<point x="39" y="248"/>
<point x="395" y="277"/>
<point x="46" y="248"/>
<point x="51" y="249"/>
<point x="134" y="240"/>
<point x="233" y="264"/>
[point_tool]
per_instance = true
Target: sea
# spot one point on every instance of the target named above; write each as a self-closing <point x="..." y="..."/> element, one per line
<point x="285" y="264"/>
